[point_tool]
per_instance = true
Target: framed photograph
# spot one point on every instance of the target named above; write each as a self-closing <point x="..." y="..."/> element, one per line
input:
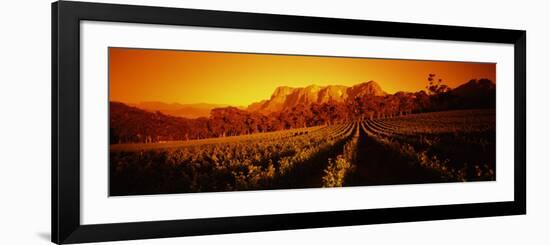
<point x="176" y="122"/>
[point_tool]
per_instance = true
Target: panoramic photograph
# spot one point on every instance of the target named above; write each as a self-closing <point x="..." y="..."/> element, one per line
<point x="202" y="121"/>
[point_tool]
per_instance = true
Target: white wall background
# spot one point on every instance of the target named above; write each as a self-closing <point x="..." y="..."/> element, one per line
<point x="25" y="123"/>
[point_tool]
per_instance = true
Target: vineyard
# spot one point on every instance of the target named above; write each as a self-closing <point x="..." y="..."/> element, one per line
<point x="448" y="146"/>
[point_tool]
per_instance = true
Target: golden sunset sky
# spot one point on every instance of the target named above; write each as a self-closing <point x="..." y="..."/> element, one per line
<point x="238" y="79"/>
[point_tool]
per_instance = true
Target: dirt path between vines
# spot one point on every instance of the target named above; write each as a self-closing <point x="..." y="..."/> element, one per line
<point x="378" y="164"/>
<point x="310" y="174"/>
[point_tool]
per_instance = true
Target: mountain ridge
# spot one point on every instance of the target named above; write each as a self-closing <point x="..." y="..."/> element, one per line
<point x="287" y="97"/>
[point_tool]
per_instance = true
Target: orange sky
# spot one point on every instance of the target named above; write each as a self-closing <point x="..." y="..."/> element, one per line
<point x="238" y="79"/>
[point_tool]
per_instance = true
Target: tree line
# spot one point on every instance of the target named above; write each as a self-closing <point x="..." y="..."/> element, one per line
<point x="132" y="125"/>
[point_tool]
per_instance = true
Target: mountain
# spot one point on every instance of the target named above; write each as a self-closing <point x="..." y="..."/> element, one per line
<point x="131" y="124"/>
<point x="178" y="110"/>
<point x="287" y="97"/>
<point x="475" y="93"/>
<point x="474" y="88"/>
<point x="296" y="107"/>
<point x="366" y="89"/>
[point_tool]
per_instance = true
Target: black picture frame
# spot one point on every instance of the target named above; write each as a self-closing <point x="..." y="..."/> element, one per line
<point x="66" y="17"/>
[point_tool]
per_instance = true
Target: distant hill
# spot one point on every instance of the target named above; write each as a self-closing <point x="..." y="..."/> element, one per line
<point x="474" y="88"/>
<point x="475" y="94"/>
<point x="179" y="110"/>
<point x="131" y="124"/>
<point x="286" y="97"/>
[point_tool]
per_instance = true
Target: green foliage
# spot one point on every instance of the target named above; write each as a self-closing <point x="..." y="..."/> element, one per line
<point x="460" y="145"/>
<point x="457" y="145"/>
<point x="249" y="164"/>
<point x="336" y="171"/>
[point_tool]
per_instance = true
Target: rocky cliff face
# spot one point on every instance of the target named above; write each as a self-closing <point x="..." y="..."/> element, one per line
<point x="287" y="97"/>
